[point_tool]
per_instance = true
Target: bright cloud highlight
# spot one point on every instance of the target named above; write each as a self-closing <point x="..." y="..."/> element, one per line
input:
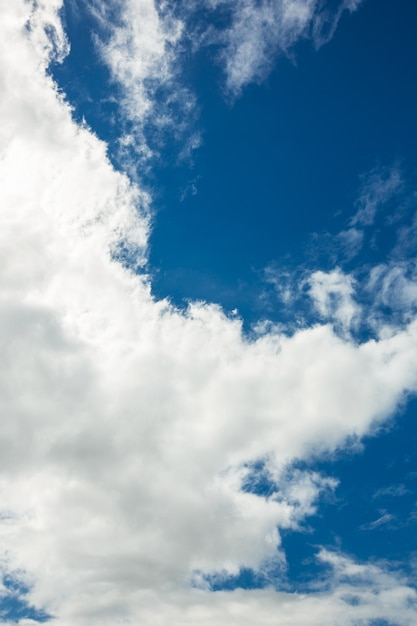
<point x="129" y="427"/>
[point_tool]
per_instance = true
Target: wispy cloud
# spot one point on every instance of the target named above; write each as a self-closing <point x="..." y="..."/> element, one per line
<point x="259" y="31"/>
<point x="327" y="18"/>
<point x="383" y="520"/>
<point x="378" y="187"/>
<point x="377" y="297"/>
<point x="140" y="42"/>
<point x="348" y="243"/>
<point x="394" y="286"/>
<point x="393" y="491"/>
<point x="143" y="43"/>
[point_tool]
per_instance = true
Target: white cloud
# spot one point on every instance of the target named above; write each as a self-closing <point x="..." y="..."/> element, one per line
<point x="393" y="491"/>
<point x="382" y="520"/>
<point x="261" y="30"/>
<point x="140" y="42"/>
<point x="393" y="285"/>
<point x="327" y="19"/>
<point x="378" y="187"/>
<point x="126" y="424"/>
<point x="258" y="33"/>
<point x="332" y="294"/>
<point x="48" y="36"/>
<point x="349" y="243"/>
<point x="138" y="50"/>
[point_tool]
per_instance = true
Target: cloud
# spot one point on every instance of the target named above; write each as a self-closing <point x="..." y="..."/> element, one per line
<point x="48" y="35"/>
<point x="348" y="243"/>
<point x="378" y="187"/>
<point x="388" y="285"/>
<point x="383" y="221"/>
<point x="257" y="34"/>
<point x="143" y="44"/>
<point x="327" y="19"/>
<point x="128" y="424"/>
<point x="332" y="295"/>
<point x="393" y="491"/>
<point x="261" y="31"/>
<point x="140" y="43"/>
<point x="326" y="296"/>
<point x="394" y="285"/>
<point x="384" y="519"/>
<point x="371" y="296"/>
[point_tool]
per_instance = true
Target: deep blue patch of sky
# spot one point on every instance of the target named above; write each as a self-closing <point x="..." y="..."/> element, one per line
<point x="283" y="162"/>
<point x="374" y="512"/>
<point x="14" y="608"/>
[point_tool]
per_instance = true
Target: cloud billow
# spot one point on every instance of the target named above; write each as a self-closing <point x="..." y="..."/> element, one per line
<point x="128" y="425"/>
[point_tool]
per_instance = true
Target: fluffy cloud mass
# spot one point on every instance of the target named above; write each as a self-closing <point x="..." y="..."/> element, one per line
<point x="129" y="428"/>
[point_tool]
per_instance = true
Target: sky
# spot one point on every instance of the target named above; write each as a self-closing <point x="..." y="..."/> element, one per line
<point x="208" y="312"/>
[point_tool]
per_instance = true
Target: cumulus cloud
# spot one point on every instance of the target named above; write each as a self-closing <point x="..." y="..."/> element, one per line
<point x="127" y="425"/>
<point x="332" y="294"/>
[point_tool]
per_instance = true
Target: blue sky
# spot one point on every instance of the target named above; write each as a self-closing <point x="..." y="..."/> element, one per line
<point x="209" y="306"/>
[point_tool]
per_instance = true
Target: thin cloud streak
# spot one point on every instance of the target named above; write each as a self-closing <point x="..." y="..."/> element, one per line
<point x="259" y="32"/>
